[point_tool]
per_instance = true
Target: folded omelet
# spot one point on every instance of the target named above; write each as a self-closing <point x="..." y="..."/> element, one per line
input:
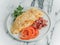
<point x="26" y="19"/>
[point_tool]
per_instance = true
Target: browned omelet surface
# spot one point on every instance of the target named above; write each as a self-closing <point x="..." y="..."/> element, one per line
<point x="26" y="19"/>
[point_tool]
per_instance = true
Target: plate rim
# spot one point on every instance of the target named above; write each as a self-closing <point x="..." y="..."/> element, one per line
<point x="27" y="40"/>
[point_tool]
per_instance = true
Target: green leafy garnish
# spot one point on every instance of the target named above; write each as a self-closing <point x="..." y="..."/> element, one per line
<point x="18" y="11"/>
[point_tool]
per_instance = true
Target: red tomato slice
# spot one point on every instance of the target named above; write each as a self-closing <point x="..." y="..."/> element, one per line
<point x="25" y="34"/>
<point x="36" y="34"/>
<point x="28" y="33"/>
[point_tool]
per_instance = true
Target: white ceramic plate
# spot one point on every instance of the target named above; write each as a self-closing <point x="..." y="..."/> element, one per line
<point x="42" y="33"/>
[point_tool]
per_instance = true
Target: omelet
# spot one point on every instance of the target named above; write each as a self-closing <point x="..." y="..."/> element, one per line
<point x="26" y="19"/>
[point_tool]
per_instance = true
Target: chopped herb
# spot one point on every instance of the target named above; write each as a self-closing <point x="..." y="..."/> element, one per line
<point x="18" y="11"/>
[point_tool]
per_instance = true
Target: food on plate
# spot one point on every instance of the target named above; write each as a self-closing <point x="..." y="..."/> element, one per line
<point x="38" y="24"/>
<point x="26" y="19"/>
<point x="28" y="23"/>
<point x="33" y="30"/>
<point x="29" y="33"/>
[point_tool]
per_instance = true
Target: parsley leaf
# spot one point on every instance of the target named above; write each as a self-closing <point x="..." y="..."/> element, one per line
<point x="18" y="11"/>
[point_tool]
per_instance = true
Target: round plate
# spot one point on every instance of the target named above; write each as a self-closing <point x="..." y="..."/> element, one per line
<point x="42" y="32"/>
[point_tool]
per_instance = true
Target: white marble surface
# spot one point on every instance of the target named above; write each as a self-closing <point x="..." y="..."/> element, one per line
<point x="6" y="40"/>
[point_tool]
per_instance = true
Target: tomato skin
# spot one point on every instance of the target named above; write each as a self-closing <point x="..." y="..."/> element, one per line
<point x="29" y="33"/>
<point x="25" y="34"/>
<point x="35" y="35"/>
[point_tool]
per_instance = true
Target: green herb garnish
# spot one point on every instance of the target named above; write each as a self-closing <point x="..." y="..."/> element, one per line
<point x="18" y="11"/>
